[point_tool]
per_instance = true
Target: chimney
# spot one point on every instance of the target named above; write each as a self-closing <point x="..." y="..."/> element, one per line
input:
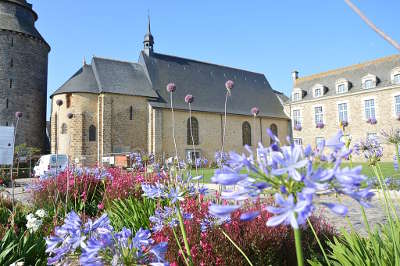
<point x="295" y="75"/>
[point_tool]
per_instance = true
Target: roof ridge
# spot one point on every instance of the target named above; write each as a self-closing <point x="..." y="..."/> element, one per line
<point x="117" y="60"/>
<point x="346" y="68"/>
<point x="208" y="63"/>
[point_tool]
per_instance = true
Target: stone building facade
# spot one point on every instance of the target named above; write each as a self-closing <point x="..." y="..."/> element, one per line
<point x="366" y="96"/>
<point x="122" y="107"/>
<point x="23" y="72"/>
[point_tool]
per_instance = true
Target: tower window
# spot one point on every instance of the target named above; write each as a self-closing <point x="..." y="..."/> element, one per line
<point x="12" y="62"/>
<point x="11" y="83"/>
<point x="274" y="130"/>
<point x="6" y="124"/>
<point x="131" y="113"/>
<point x="7" y="103"/>
<point x="68" y="99"/>
<point x="12" y="41"/>
<point x="64" y="128"/>
<point x="92" y="133"/>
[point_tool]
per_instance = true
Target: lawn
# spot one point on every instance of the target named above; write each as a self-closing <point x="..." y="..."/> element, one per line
<point x="386" y="167"/>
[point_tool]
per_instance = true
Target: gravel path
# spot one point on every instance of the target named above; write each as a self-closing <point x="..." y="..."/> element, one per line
<point x="375" y="214"/>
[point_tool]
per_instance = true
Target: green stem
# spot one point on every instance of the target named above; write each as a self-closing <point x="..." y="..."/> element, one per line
<point x="237" y="247"/>
<point x="318" y="241"/>
<point x="299" y="251"/>
<point x="183" y="231"/>
<point x="366" y="221"/>
<point x="180" y="246"/>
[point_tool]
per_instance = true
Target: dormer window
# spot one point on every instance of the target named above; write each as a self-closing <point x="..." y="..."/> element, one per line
<point x="395" y="76"/>
<point x="318" y="90"/>
<point x="297" y="94"/>
<point x="369" y="81"/>
<point x="342" y="86"/>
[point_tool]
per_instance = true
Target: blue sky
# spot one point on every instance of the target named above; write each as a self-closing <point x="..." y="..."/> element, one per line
<point x="271" y="37"/>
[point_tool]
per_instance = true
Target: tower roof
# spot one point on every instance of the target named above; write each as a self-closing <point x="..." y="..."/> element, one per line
<point x="148" y="37"/>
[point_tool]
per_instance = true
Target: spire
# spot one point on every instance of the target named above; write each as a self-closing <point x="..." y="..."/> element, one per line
<point x="148" y="39"/>
<point x="84" y="61"/>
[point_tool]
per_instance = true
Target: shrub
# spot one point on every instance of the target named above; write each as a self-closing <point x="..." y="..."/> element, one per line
<point x="263" y="245"/>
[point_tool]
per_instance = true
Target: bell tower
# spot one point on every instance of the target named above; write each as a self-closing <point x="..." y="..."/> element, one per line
<point x="148" y="42"/>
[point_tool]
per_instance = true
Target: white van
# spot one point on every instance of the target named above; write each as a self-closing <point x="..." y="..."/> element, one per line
<point x="50" y="164"/>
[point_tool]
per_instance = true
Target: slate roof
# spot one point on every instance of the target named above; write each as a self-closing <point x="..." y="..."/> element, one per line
<point x="381" y="68"/>
<point x="20" y="21"/>
<point x="205" y="81"/>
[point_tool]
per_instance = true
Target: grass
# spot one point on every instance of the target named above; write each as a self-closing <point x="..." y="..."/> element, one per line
<point x="387" y="170"/>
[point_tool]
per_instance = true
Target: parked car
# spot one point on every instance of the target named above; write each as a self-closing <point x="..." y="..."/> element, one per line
<point x="50" y="164"/>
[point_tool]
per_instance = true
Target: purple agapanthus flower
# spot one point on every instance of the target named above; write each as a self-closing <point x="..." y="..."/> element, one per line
<point x="222" y="211"/>
<point x="227" y="176"/>
<point x="288" y="211"/>
<point x="289" y="161"/>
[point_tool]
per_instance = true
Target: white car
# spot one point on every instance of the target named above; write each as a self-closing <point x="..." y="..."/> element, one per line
<point x="50" y="164"/>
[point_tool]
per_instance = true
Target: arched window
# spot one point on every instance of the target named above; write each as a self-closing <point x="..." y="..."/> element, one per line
<point x="195" y="131"/>
<point x="131" y="113"/>
<point x="274" y="130"/>
<point x="246" y="133"/>
<point x="64" y="128"/>
<point x="92" y="133"/>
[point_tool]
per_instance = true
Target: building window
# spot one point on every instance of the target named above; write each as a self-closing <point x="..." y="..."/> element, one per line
<point x="296" y="96"/>
<point x="131" y="113"/>
<point x="319" y="141"/>
<point x="317" y="92"/>
<point x="246" y="133"/>
<point x="371" y="136"/>
<point x="68" y="99"/>
<point x="298" y="141"/>
<point x="397" y="105"/>
<point x="192" y="155"/>
<point x="296" y="118"/>
<point x="274" y="130"/>
<point x="12" y="62"/>
<point x="92" y="133"/>
<point x="11" y="83"/>
<point x="396" y="79"/>
<point x="342" y="108"/>
<point x="7" y="103"/>
<point x="368" y="84"/>
<point x="341" y="88"/>
<point x="64" y="128"/>
<point x="12" y="41"/>
<point x="195" y="132"/>
<point x="319" y="116"/>
<point x="369" y="107"/>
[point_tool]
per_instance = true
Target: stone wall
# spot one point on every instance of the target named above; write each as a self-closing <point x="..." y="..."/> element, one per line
<point x="358" y="127"/>
<point x="210" y="132"/>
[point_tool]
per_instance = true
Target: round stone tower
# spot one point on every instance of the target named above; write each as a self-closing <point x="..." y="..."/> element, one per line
<point x="23" y="72"/>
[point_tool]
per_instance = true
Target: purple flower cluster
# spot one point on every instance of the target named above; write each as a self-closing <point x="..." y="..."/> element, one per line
<point x="98" y="241"/>
<point x="371" y="148"/>
<point x="297" y="127"/>
<point x="295" y="176"/>
<point x="171" y="87"/>
<point x="189" y="98"/>
<point x="319" y="125"/>
<point x="372" y="121"/>
<point x="255" y="111"/>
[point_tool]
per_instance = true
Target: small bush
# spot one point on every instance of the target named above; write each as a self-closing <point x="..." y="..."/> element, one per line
<point x="263" y="245"/>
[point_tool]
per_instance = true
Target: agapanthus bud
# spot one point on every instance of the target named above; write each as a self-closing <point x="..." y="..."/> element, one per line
<point x="189" y="98"/>
<point x="18" y="114"/>
<point x="59" y="102"/>
<point x="255" y="111"/>
<point x="70" y="115"/>
<point x="171" y="87"/>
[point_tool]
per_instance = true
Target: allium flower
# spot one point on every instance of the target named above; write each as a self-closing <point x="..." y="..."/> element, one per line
<point x="189" y="98"/>
<point x="70" y="115"/>
<point x="171" y="87"/>
<point x="18" y="115"/>
<point x="229" y="86"/>
<point x="255" y="111"/>
<point x="59" y="102"/>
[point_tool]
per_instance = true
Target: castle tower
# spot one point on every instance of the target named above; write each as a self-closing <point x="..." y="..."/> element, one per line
<point x="23" y="72"/>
